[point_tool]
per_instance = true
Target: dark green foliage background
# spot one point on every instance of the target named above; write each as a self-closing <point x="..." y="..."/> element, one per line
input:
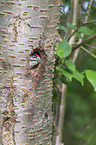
<point x="80" y="111"/>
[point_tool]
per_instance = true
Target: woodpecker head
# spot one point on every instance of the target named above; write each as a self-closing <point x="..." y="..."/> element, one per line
<point x="35" y="59"/>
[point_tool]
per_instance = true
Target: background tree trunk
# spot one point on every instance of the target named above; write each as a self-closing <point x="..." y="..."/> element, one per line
<point x="73" y="16"/>
<point x="26" y="95"/>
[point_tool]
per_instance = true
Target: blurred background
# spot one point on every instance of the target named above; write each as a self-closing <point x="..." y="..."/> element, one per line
<point x="80" y="110"/>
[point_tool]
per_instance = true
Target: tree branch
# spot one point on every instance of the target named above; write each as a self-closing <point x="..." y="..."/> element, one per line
<point x="84" y="42"/>
<point x="64" y="87"/>
<point x="80" y="41"/>
<point x="94" y="21"/>
<point x="91" y="46"/>
<point x="88" y="51"/>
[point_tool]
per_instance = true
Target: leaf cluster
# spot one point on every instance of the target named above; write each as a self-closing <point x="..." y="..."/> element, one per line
<point x="66" y="67"/>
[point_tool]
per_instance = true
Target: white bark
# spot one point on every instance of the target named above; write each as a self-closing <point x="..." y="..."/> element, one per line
<point x="26" y="99"/>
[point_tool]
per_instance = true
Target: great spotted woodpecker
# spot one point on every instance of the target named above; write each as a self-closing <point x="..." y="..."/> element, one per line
<point x="35" y="59"/>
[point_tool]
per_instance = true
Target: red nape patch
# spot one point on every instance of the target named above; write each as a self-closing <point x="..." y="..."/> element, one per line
<point x="37" y="55"/>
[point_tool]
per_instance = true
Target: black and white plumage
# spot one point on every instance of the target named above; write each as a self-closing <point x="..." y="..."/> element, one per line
<point x="35" y="59"/>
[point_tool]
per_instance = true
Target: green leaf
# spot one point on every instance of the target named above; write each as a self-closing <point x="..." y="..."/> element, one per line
<point x="78" y="76"/>
<point x="59" y="68"/>
<point x="71" y="26"/>
<point x="60" y="52"/>
<point x="67" y="74"/>
<point x="70" y="65"/>
<point x="91" y="76"/>
<point x="65" y="47"/>
<point x="63" y="13"/>
<point x="62" y="27"/>
<point x="65" y="80"/>
<point x="85" y="30"/>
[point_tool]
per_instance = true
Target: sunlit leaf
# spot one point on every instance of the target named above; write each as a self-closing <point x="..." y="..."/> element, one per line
<point x="70" y="65"/>
<point x="91" y="76"/>
<point x="67" y="74"/>
<point x="60" y="52"/>
<point x="59" y="68"/>
<point x="65" y="47"/>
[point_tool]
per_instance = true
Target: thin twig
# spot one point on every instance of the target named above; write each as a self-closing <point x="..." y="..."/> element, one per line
<point x="91" y="46"/>
<point x="86" y="23"/>
<point x="80" y="40"/>
<point x="88" y="51"/>
<point x="84" y="42"/>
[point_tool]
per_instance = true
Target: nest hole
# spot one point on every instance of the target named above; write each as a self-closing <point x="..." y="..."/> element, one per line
<point x="40" y="51"/>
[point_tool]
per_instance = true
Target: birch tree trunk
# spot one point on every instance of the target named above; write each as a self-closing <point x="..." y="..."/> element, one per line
<point x="26" y="95"/>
